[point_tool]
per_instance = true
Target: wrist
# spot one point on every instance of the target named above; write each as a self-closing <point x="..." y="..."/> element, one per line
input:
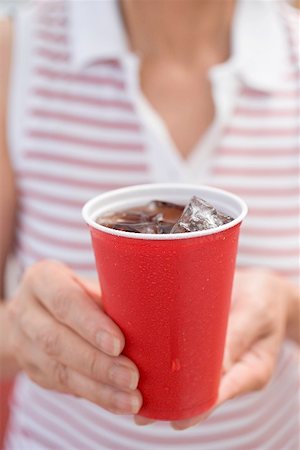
<point x="8" y="363"/>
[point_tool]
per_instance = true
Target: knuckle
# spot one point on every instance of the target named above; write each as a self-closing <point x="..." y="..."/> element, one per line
<point x="94" y="365"/>
<point x="261" y="380"/>
<point x="60" y="374"/>
<point x="48" y="339"/>
<point x="16" y="346"/>
<point x="61" y="303"/>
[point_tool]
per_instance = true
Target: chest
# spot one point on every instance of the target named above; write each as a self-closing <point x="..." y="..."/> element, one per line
<point x="182" y="97"/>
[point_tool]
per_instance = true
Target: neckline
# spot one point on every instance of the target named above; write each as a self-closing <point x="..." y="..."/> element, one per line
<point x="198" y="161"/>
<point x="157" y="123"/>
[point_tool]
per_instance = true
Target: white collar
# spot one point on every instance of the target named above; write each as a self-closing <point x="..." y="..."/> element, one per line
<point x="97" y="31"/>
<point x="260" y="52"/>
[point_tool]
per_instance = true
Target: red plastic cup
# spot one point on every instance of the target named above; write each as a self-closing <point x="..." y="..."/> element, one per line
<point x="170" y="295"/>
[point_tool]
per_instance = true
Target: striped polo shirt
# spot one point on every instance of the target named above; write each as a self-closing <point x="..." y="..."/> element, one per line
<point x="80" y="125"/>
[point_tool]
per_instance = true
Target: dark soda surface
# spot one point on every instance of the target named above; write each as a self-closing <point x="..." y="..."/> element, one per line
<point x="160" y="217"/>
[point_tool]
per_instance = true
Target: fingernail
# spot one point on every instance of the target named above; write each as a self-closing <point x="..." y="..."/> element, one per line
<point x="127" y="403"/>
<point x="108" y="343"/>
<point x="123" y="376"/>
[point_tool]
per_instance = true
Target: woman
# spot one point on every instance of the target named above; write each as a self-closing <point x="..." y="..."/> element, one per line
<point x="107" y="94"/>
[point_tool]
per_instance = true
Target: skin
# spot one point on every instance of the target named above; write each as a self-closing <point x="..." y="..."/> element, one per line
<point x="77" y="349"/>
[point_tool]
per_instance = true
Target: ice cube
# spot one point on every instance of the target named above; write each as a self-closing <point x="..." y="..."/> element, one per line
<point x="170" y="211"/>
<point x="199" y="215"/>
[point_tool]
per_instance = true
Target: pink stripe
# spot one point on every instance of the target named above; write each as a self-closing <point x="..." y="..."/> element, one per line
<point x="53" y="55"/>
<point x="67" y="181"/>
<point x="264" y="172"/>
<point x="73" y="440"/>
<point x="123" y="431"/>
<point x="83" y="120"/>
<point x="290" y="435"/>
<point x="262" y="132"/>
<point x="294" y="75"/>
<point x="185" y="440"/>
<point x="264" y="112"/>
<point x="94" y="143"/>
<point x="274" y="252"/>
<point x="35" y="437"/>
<point x="44" y="156"/>
<point x="290" y="273"/>
<point x="77" y="425"/>
<point x="251" y="231"/>
<point x="26" y="193"/>
<point x="63" y="96"/>
<point x="52" y="7"/>
<point x="256" y="151"/>
<point x="29" y="210"/>
<point x="80" y="78"/>
<point x="247" y="92"/>
<point x="37" y="256"/>
<point x="52" y="37"/>
<point x="269" y="212"/>
<point x="150" y="438"/>
<point x="51" y="21"/>
<point x="44" y="238"/>
<point x="262" y="191"/>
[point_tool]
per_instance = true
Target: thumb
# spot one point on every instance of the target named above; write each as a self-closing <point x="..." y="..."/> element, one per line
<point x="243" y="330"/>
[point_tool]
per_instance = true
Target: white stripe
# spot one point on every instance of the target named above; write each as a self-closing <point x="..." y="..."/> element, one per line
<point x="55" y="189"/>
<point x="82" y="88"/>
<point x="272" y="243"/>
<point x="277" y="202"/>
<point x="65" y="233"/>
<point x="30" y="423"/>
<point x="85" y="152"/>
<point x="276" y="103"/>
<point x="85" y="111"/>
<point x="105" y="71"/>
<point x="290" y="429"/>
<point x="204" y="431"/>
<point x="280" y="263"/>
<point x="250" y="142"/>
<point x="51" y="251"/>
<point x="260" y="181"/>
<point x="83" y="130"/>
<point x="258" y="162"/>
<point x="250" y="122"/>
<point x="82" y="174"/>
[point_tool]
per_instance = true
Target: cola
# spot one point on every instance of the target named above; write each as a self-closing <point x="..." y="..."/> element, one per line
<point x="160" y="217"/>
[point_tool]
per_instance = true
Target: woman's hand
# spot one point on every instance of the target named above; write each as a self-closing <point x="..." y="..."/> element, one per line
<point x="64" y="341"/>
<point x="256" y="328"/>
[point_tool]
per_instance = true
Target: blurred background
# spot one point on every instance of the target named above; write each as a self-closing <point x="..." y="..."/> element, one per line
<point x="8" y="6"/>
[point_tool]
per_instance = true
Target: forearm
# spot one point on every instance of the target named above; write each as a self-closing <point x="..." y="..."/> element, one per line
<point x="293" y="318"/>
<point x="8" y="363"/>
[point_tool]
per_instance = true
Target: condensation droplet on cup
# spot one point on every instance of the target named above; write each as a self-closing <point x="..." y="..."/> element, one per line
<point x="175" y="365"/>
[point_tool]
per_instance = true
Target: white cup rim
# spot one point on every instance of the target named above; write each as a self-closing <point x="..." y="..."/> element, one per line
<point x="88" y="210"/>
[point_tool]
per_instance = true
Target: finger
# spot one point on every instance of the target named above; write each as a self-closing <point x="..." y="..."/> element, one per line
<point x="140" y="420"/>
<point x="91" y="287"/>
<point x="63" y="345"/>
<point x="59" y="292"/>
<point x="53" y="375"/>
<point x="113" y="400"/>
<point x="251" y="373"/>
<point x="244" y="328"/>
<point x="188" y="423"/>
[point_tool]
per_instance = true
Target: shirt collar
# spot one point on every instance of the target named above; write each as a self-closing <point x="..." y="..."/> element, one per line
<point x="97" y="31"/>
<point x="260" y="52"/>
